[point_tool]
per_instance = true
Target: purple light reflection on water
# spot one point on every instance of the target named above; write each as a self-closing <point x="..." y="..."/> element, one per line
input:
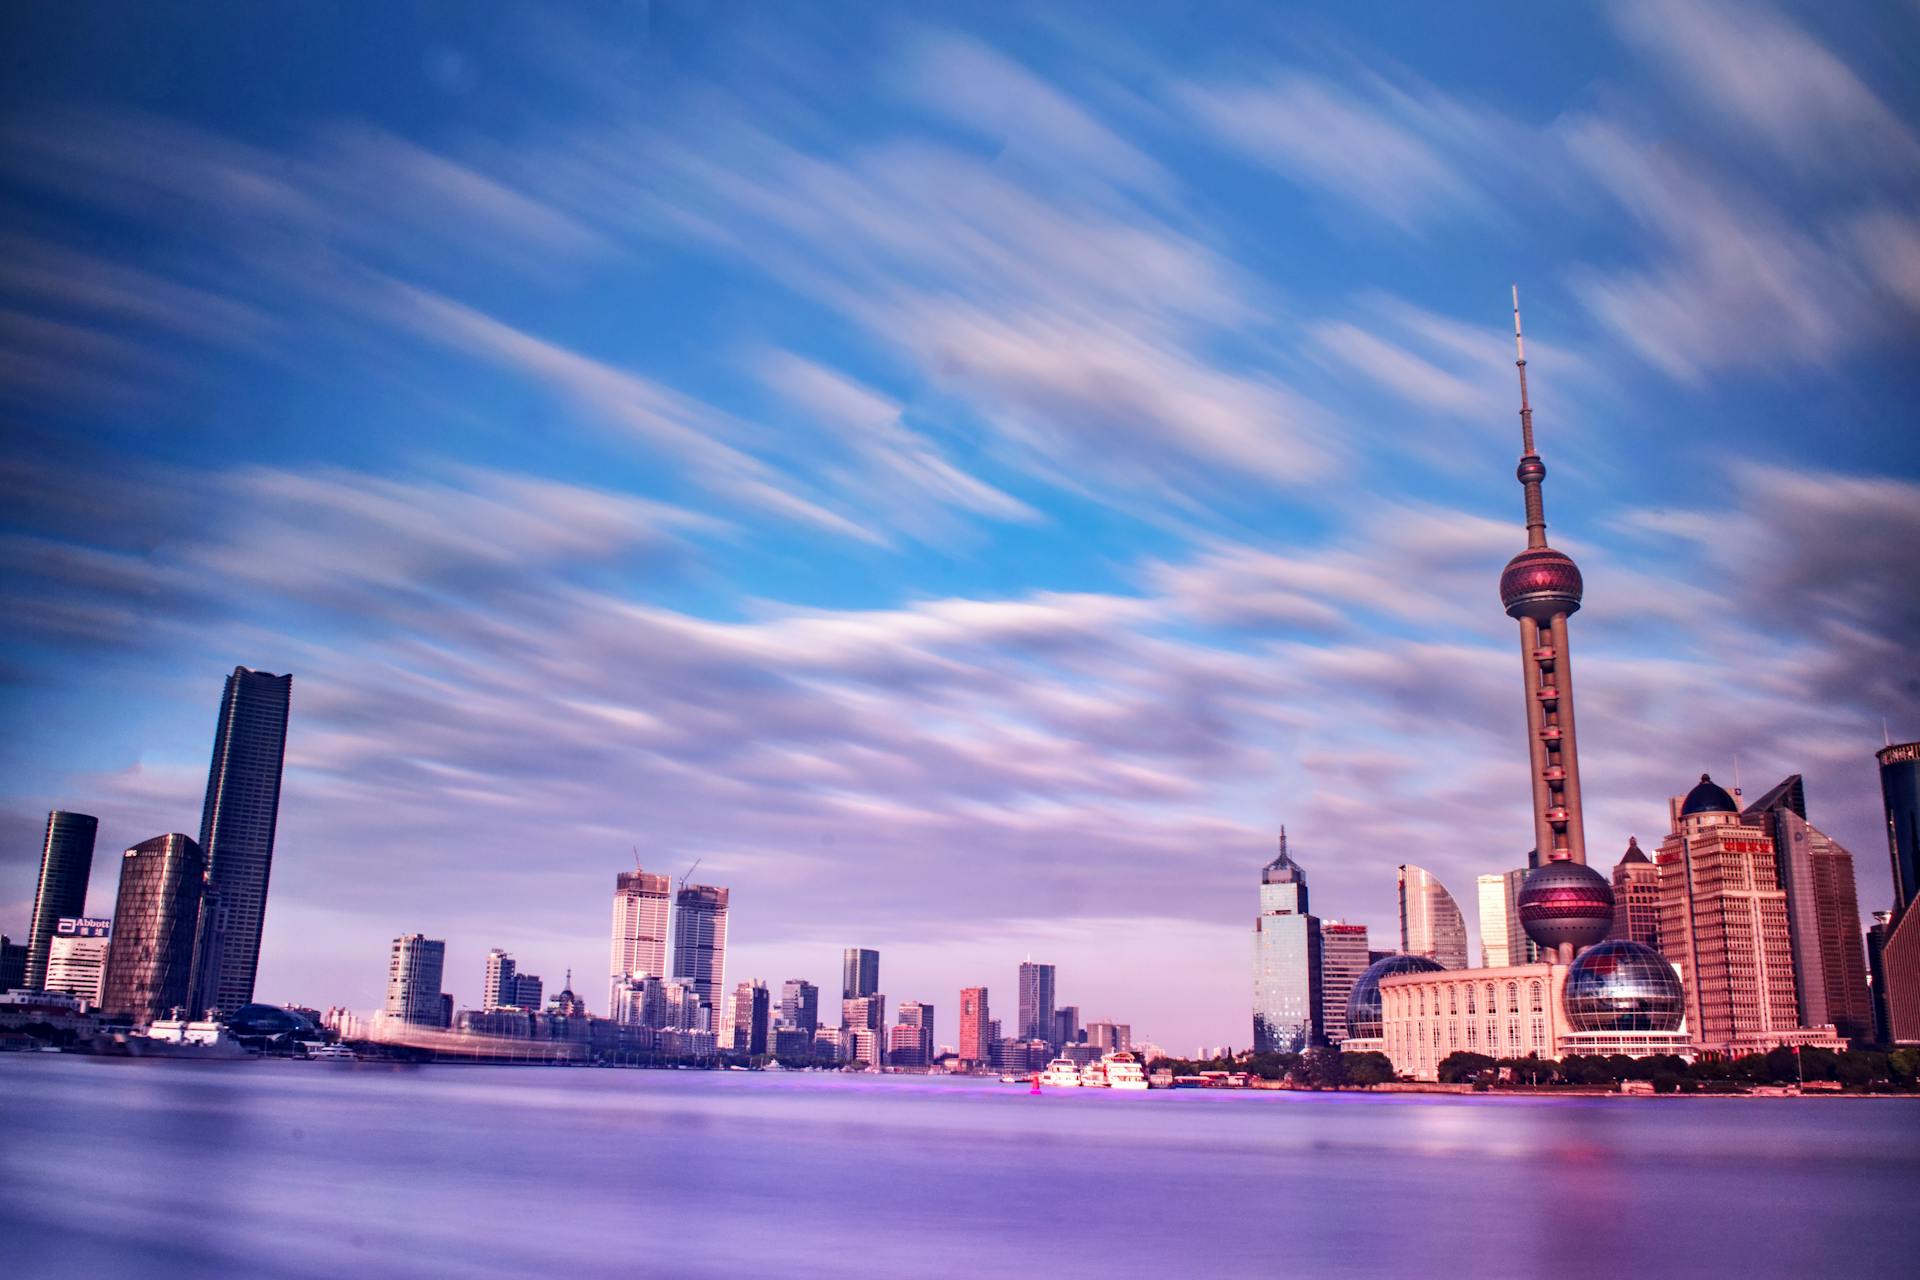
<point x="306" y="1169"/>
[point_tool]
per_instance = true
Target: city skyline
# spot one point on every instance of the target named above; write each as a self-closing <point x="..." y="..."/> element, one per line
<point x="940" y="587"/>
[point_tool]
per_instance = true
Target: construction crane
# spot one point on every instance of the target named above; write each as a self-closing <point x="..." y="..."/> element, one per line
<point x="690" y="870"/>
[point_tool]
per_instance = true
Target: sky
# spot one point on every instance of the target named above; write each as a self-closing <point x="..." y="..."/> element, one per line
<point x="964" y="475"/>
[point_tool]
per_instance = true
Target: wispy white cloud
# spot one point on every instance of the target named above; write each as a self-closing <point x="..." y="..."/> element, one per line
<point x="1772" y="81"/>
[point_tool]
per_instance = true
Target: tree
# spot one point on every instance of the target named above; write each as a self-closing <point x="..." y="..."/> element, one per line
<point x="1325" y="1067"/>
<point x="1368" y="1069"/>
<point x="1461" y="1067"/>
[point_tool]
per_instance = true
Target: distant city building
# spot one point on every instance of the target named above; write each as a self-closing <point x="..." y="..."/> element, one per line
<point x="527" y="991"/>
<point x="1723" y="924"/>
<point x="500" y="985"/>
<point x="446" y="1010"/>
<point x="1900" y="953"/>
<point x="13" y="964"/>
<point x="1877" y="974"/>
<point x="1636" y="897"/>
<point x="77" y="958"/>
<point x="1430" y="921"/>
<point x="1823" y="913"/>
<point x="700" y="944"/>
<point x="859" y="973"/>
<point x="1287" y="1012"/>
<point x="237" y="825"/>
<point x="1110" y="1037"/>
<point x="751" y="1016"/>
<point x="1066" y="1024"/>
<point x="414" y="970"/>
<point x="1503" y="938"/>
<point x="975" y="1045"/>
<point x="66" y="863"/>
<point x="156" y="929"/>
<point x="1036" y="1001"/>
<point x="641" y="906"/>
<point x="1344" y="956"/>
<point x="864" y="1044"/>
<point x="832" y="1043"/>
<point x="1015" y="1055"/>
<point x="914" y="1032"/>
<point x="800" y="1006"/>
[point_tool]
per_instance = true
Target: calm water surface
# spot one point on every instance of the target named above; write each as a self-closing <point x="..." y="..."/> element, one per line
<point x="307" y="1169"/>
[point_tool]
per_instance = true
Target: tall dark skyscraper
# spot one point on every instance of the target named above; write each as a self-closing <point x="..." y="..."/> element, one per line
<point x="156" y="919"/>
<point x="236" y="829"/>
<point x="1900" y="952"/>
<point x="859" y="973"/>
<point x="800" y="1005"/>
<point x="1036" y="1001"/>
<point x="66" y="862"/>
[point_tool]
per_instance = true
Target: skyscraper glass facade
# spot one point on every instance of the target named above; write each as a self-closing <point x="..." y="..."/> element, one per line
<point x="859" y="973"/>
<point x="1287" y="1017"/>
<point x="66" y="863"/>
<point x="1036" y="1001"/>
<point x="237" y="824"/>
<point x="1430" y="921"/>
<point x="156" y="918"/>
<point x="700" y="943"/>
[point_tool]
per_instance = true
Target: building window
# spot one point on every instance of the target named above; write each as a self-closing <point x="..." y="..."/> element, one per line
<point x="1513" y="997"/>
<point x="1534" y="996"/>
<point x="1470" y="1008"/>
<point x="1453" y="1000"/>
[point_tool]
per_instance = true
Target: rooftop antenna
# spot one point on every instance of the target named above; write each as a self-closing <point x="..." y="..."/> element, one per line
<point x="1531" y="470"/>
<point x="1520" y="363"/>
<point x="1886" y="732"/>
<point x="1736" y="773"/>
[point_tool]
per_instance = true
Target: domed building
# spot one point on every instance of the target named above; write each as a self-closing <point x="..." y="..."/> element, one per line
<point x="1623" y="985"/>
<point x="1363" y="1005"/>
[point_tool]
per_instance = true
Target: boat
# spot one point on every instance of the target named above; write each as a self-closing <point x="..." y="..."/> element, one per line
<point x="1094" y="1075"/>
<point x="178" y="1038"/>
<point x="331" y="1053"/>
<point x="1061" y="1073"/>
<point x="1124" y="1071"/>
<point x="1010" y="1079"/>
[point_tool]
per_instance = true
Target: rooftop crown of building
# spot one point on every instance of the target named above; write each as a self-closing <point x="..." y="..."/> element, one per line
<point x="1283" y="869"/>
<point x="1707" y="796"/>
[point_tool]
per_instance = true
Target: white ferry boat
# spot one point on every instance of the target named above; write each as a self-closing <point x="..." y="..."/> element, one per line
<point x="1124" y="1071"/>
<point x="179" y="1038"/>
<point x="1094" y="1075"/>
<point x="331" y="1053"/>
<point x="1061" y="1073"/>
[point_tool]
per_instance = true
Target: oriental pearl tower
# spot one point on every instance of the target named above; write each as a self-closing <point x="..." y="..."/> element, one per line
<point x="1564" y="905"/>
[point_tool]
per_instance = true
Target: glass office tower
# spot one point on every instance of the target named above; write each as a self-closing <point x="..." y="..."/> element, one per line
<point x="237" y="825"/>
<point x="1287" y="1017"/>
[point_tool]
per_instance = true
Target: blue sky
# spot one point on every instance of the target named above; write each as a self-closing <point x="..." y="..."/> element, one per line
<point x="965" y="476"/>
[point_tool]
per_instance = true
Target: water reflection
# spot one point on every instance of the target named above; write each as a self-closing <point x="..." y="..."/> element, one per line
<point x="299" y="1169"/>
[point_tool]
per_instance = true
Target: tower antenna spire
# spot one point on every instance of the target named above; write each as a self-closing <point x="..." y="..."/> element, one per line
<point x="1520" y="363"/>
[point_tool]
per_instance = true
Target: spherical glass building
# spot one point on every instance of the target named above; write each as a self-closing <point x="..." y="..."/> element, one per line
<point x="1624" y="986"/>
<point x="1563" y="902"/>
<point x="1363" y="1005"/>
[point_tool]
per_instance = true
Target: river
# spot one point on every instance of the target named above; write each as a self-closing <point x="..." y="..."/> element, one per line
<point x="127" y="1167"/>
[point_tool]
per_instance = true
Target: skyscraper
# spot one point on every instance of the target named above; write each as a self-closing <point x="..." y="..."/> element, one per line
<point x="1636" y="897"/>
<point x="800" y="1005"/>
<point x="66" y="862"/>
<point x="1036" y="1001"/>
<point x="1430" y="921"/>
<point x="1823" y="913"/>
<point x="156" y="929"/>
<point x="1066" y="1024"/>
<point x="414" y="969"/>
<point x="1495" y="895"/>
<point x="1900" y="953"/>
<point x="700" y="943"/>
<point x="77" y="958"/>
<point x="1344" y="956"/>
<point x="1723" y="924"/>
<point x="1877" y="974"/>
<point x="236" y="829"/>
<point x="976" y="1032"/>
<point x="1287" y="1013"/>
<point x="859" y="973"/>
<point x="640" y="910"/>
